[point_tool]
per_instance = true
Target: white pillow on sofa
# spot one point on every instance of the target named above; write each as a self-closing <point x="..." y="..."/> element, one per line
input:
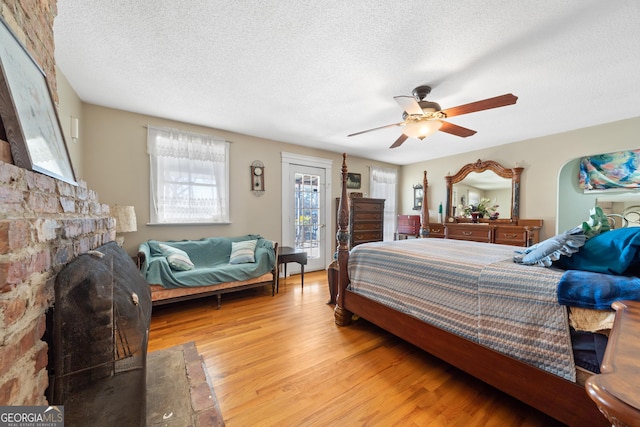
<point x="243" y="252"/>
<point x="177" y="258"/>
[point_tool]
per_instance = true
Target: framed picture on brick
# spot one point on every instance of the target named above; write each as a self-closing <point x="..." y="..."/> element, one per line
<point x="28" y="114"/>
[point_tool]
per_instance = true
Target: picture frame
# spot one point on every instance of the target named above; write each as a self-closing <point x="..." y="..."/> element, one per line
<point x="354" y="180"/>
<point x="29" y="116"/>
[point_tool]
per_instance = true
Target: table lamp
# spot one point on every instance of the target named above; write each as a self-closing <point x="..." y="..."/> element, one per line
<point x="125" y="221"/>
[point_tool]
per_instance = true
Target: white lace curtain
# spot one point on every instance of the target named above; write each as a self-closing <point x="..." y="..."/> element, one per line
<point x="383" y="184"/>
<point x="189" y="177"/>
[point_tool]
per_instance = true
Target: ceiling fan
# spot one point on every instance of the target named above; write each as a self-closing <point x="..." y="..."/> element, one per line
<point x="422" y="118"/>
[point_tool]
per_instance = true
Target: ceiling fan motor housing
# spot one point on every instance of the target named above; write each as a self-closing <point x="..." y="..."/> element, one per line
<point x="421" y="92"/>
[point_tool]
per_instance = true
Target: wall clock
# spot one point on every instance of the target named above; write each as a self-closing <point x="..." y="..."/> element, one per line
<point x="417" y="197"/>
<point x="257" y="178"/>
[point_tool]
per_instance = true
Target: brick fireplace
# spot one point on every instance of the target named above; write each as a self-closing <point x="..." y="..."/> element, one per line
<point x="44" y="224"/>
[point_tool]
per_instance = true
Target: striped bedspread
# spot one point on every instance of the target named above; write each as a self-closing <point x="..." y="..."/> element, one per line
<point x="474" y="290"/>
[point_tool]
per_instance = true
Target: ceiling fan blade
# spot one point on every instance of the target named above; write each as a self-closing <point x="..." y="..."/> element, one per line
<point x="402" y="138"/>
<point x="378" y="128"/>
<point x="409" y="105"/>
<point x="456" y="130"/>
<point x="485" y="104"/>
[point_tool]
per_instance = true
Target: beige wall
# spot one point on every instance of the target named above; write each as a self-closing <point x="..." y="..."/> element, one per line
<point x="116" y="166"/>
<point x="70" y="107"/>
<point x="114" y="163"/>
<point x="542" y="159"/>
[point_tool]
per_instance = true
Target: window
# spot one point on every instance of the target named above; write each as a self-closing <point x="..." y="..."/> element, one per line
<point x="383" y="185"/>
<point x="189" y="177"/>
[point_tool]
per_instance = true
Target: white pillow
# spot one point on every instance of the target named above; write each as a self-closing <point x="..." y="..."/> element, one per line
<point x="177" y="258"/>
<point x="243" y="252"/>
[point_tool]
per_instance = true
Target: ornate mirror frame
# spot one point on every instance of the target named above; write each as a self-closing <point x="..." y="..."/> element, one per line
<point x="480" y="166"/>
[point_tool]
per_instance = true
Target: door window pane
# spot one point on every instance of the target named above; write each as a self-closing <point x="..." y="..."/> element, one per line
<point x="306" y="205"/>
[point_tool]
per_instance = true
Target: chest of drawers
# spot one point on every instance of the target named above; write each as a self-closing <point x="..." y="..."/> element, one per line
<point x="366" y="220"/>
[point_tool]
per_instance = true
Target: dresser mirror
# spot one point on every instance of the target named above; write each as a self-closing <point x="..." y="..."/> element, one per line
<point x="484" y="179"/>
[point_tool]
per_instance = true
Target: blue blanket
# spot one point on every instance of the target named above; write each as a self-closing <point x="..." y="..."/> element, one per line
<point x="210" y="257"/>
<point x="587" y="289"/>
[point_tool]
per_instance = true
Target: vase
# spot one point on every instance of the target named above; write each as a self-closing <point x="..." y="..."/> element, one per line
<point x="474" y="217"/>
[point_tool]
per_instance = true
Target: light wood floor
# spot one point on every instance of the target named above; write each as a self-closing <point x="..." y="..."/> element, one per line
<point x="282" y="361"/>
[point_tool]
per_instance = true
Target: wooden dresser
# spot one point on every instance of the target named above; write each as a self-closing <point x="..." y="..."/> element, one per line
<point x="512" y="231"/>
<point x="525" y="234"/>
<point x="366" y="220"/>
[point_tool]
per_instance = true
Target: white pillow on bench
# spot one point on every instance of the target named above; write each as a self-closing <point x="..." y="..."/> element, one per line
<point x="177" y="258"/>
<point x="243" y="252"/>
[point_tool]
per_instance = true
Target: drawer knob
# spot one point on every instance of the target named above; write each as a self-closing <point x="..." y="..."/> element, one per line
<point x="467" y="233"/>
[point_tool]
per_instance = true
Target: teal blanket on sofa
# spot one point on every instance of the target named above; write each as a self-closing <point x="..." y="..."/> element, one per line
<point x="210" y="257"/>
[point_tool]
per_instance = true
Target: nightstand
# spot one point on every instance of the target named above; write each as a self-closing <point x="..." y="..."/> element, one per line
<point x="287" y="254"/>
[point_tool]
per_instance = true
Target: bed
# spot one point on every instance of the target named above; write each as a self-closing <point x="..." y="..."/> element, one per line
<point x="538" y="371"/>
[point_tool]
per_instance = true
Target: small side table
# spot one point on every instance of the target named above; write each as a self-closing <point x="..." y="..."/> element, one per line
<point x="287" y="254"/>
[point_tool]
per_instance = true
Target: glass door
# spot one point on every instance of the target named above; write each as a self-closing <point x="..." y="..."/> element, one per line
<point x="308" y="214"/>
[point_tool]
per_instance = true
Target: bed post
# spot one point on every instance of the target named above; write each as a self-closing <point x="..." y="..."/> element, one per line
<point x="342" y="317"/>
<point x="424" y="211"/>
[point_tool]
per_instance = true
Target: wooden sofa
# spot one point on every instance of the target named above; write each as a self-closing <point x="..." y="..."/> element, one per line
<point x="162" y="294"/>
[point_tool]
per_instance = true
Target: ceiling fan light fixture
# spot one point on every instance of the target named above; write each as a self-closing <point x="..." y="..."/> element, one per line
<point x="422" y="129"/>
<point x="422" y="118"/>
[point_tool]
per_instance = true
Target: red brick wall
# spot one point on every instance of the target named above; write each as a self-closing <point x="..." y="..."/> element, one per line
<point x="32" y="22"/>
<point x="44" y="223"/>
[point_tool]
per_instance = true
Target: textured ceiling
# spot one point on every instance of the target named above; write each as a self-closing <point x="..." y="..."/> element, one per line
<point x="310" y="73"/>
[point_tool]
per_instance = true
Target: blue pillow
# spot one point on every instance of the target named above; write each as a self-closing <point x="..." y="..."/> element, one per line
<point x="545" y="252"/>
<point x="612" y="252"/>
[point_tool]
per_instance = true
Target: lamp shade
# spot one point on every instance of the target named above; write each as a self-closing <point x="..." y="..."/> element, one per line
<point x="125" y="218"/>
<point x="422" y="129"/>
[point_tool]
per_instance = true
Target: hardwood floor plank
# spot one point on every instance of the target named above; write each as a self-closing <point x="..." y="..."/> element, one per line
<point x="283" y="361"/>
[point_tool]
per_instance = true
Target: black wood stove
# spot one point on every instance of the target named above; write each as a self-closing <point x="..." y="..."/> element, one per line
<point x="100" y="334"/>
